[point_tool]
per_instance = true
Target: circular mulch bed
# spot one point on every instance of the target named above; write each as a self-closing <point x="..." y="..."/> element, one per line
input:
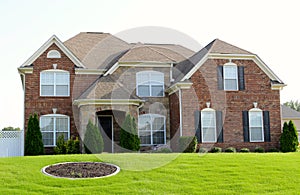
<point x="76" y="170"/>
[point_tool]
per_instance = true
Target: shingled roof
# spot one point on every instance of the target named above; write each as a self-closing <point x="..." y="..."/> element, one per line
<point x="288" y="113"/>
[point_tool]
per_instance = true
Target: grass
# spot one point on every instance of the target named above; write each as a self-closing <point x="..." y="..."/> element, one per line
<point x="230" y="173"/>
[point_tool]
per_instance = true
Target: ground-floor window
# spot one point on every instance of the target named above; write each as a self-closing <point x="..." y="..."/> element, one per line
<point x="52" y="126"/>
<point x="152" y="129"/>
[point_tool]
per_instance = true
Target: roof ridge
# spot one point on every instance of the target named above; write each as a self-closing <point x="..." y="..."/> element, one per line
<point x="161" y="53"/>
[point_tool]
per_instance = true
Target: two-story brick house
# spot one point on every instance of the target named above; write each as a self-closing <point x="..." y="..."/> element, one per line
<point x="224" y="95"/>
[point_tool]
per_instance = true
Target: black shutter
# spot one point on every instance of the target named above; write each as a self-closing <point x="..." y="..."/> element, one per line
<point x="220" y="78"/>
<point x="219" y="123"/>
<point x="197" y="115"/>
<point x="241" y="77"/>
<point x="246" y="126"/>
<point x="266" y="117"/>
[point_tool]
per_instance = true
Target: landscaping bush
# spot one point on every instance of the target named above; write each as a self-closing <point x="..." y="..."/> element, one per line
<point x="244" y="150"/>
<point x="128" y="135"/>
<point x="93" y="141"/>
<point x="73" y="146"/>
<point x="259" y="150"/>
<point x="289" y="138"/>
<point x="188" y="144"/>
<point x="216" y="150"/>
<point x="162" y="150"/>
<point x="33" y="139"/>
<point x="273" y="150"/>
<point x="11" y="129"/>
<point x="230" y="150"/>
<point x="60" y="147"/>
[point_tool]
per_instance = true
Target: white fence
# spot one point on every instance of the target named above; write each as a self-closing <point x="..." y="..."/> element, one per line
<point x="11" y="143"/>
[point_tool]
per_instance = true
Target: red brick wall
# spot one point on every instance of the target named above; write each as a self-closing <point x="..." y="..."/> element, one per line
<point x="232" y="103"/>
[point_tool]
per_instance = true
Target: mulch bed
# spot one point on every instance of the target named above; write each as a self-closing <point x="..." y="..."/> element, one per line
<point x="81" y="170"/>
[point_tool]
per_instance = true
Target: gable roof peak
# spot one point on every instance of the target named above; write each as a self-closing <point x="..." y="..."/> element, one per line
<point x="222" y="47"/>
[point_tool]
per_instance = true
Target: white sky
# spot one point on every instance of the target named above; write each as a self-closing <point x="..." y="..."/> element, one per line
<point x="267" y="28"/>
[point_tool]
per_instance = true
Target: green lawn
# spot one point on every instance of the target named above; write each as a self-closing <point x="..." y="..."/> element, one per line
<point x="270" y="173"/>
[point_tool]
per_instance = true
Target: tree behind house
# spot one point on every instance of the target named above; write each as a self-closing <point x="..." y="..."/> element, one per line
<point x="93" y="141"/>
<point x="295" y="105"/>
<point x="33" y="139"/>
<point x="289" y="138"/>
<point x="128" y="136"/>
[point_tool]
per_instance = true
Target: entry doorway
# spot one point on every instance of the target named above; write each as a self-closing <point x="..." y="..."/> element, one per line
<point x="106" y="130"/>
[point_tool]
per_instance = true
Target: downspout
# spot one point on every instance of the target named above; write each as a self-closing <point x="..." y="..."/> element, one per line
<point x="180" y="113"/>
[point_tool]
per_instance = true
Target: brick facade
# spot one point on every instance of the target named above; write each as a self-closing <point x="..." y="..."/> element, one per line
<point x="231" y="103"/>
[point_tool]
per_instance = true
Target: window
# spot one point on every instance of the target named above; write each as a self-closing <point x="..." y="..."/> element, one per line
<point x="152" y="129"/>
<point x="53" y="54"/>
<point x="52" y="126"/>
<point x="54" y="83"/>
<point x="150" y="84"/>
<point x="230" y="77"/>
<point x="256" y="131"/>
<point x="208" y="125"/>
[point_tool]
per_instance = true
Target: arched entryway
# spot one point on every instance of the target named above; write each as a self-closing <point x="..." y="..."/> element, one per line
<point x="110" y="122"/>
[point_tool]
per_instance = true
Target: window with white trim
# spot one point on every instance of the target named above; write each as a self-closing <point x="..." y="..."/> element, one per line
<point x="150" y="84"/>
<point x="53" y="54"/>
<point x="152" y="129"/>
<point x="256" y="127"/>
<point x="52" y="126"/>
<point x="54" y="83"/>
<point x="230" y="72"/>
<point x="208" y="125"/>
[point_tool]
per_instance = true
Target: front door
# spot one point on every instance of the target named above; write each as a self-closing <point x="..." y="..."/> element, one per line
<point x="106" y="129"/>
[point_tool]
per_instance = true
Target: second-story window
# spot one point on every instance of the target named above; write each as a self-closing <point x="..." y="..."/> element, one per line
<point x="55" y="83"/>
<point x="150" y="84"/>
<point x="230" y="77"/>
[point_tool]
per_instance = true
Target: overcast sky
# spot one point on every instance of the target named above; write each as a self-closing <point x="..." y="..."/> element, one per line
<point x="267" y="28"/>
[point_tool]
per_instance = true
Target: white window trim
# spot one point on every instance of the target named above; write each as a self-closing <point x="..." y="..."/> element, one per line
<point x="150" y="81"/>
<point x="54" y="84"/>
<point x="54" y="53"/>
<point x="215" y="125"/>
<point x="236" y="76"/>
<point x="151" y="130"/>
<point x="262" y="126"/>
<point x="54" y="126"/>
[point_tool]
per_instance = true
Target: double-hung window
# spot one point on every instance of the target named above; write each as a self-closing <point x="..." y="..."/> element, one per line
<point x="256" y="130"/>
<point x="230" y="77"/>
<point x="55" y="83"/>
<point x="150" y="84"/>
<point x="53" y="126"/>
<point x="152" y="129"/>
<point x="208" y="125"/>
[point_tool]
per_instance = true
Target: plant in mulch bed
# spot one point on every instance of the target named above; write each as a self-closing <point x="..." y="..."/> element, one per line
<point x="128" y="135"/>
<point x="93" y="141"/>
<point x="259" y="150"/>
<point x="216" y="150"/>
<point x="230" y="150"/>
<point x="244" y="150"/>
<point x="33" y="139"/>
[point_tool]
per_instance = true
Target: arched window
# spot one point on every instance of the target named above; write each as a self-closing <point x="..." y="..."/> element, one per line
<point x="208" y="125"/>
<point x="152" y="129"/>
<point x="53" y="126"/>
<point x="150" y="84"/>
<point x="256" y="126"/>
<point x="53" y="54"/>
<point x="230" y="72"/>
<point x="54" y="83"/>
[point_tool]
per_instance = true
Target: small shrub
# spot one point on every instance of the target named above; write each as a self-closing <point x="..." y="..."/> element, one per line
<point x="93" y="141"/>
<point x="244" y="150"/>
<point x="259" y="150"/>
<point x="162" y="150"/>
<point x="230" y="150"/>
<point x="203" y="150"/>
<point x="273" y="150"/>
<point x="60" y="147"/>
<point x="289" y="138"/>
<point x="216" y="150"/>
<point x="11" y="129"/>
<point x="188" y="144"/>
